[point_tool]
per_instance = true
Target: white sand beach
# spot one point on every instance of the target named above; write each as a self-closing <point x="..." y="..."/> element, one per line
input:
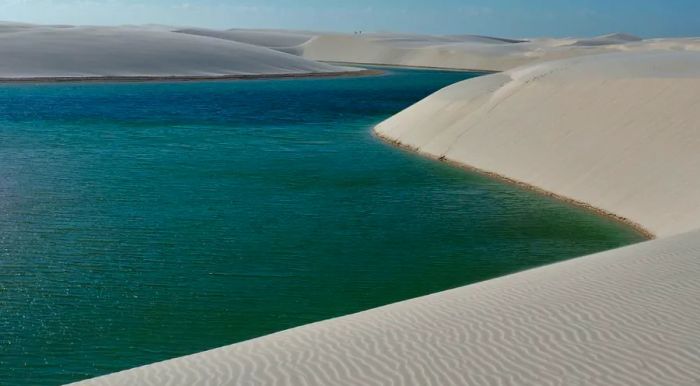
<point x="611" y="122"/>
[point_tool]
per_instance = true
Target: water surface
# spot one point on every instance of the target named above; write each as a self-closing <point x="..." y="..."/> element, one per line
<point x="140" y="222"/>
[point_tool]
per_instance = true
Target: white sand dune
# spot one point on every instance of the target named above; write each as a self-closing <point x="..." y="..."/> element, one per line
<point x="626" y="317"/>
<point x="416" y="51"/>
<point x="614" y="127"/>
<point x="285" y="41"/>
<point x="617" y="131"/>
<point x="473" y="52"/>
<point x="455" y="51"/>
<point x="486" y="39"/>
<point x="618" y="38"/>
<point x="38" y="52"/>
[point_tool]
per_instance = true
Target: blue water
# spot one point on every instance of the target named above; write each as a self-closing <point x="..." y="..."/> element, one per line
<point x="144" y="221"/>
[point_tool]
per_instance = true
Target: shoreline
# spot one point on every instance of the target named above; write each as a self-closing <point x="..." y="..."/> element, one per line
<point x="412" y="67"/>
<point x="648" y="235"/>
<point x="144" y="79"/>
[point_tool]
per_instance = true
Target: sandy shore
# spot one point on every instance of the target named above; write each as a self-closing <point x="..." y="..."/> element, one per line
<point x="614" y="131"/>
<point x="98" y="79"/>
<point x="610" y="122"/>
<point x="639" y="228"/>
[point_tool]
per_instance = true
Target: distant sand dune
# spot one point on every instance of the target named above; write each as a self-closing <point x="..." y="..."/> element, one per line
<point x="41" y="52"/>
<point x="607" y="40"/>
<point x="285" y="41"/>
<point x="473" y="52"/>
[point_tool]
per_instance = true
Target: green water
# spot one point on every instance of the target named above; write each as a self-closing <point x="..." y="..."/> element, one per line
<point x="140" y="222"/>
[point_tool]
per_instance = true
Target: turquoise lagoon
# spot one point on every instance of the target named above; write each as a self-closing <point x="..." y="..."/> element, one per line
<point x="144" y="221"/>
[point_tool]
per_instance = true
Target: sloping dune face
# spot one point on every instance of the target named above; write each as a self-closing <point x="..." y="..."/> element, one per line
<point x="29" y="51"/>
<point x="608" y="39"/>
<point x="626" y="317"/>
<point x="617" y="131"/>
<point x="285" y="41"/>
